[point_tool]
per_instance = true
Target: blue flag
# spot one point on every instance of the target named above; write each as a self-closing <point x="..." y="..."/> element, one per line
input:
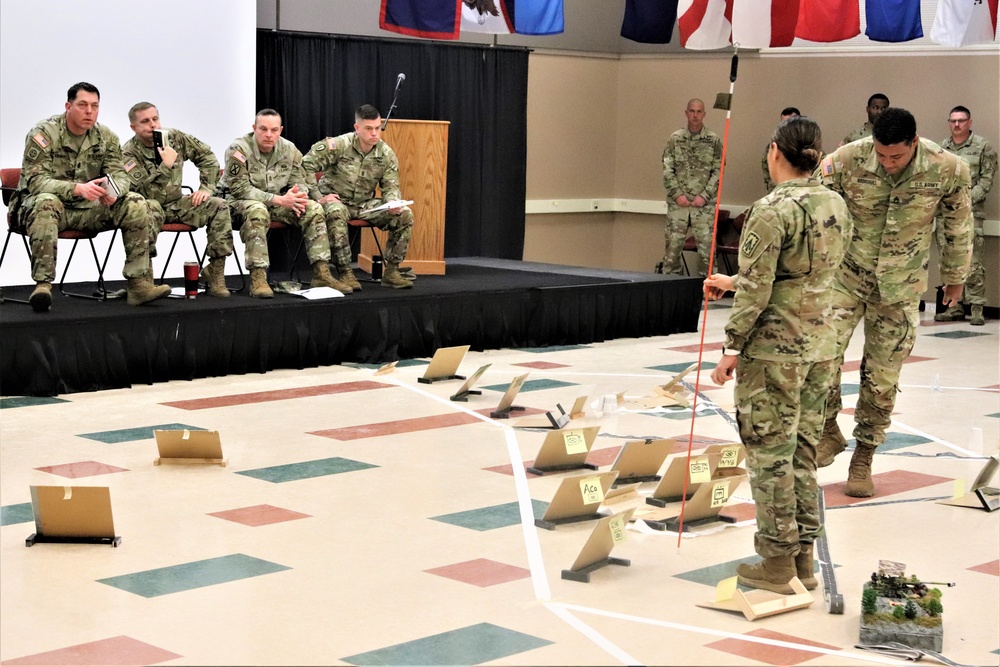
<point x="893" y="20"/>
<point x="433" y="19"/>
<point x="649" y="21"/>
<point x="536" y="17"/>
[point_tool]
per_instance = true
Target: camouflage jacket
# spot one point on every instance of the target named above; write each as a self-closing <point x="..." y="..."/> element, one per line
<point x="351" y="174"/>
<point x="768" y="183"/>
<point x="249" y="176"/>
<point x="790" y="249"/>
<point x="982" y="159"/>
<point x="163" y="183"/>
<point x="886" y="259"/>
<point x="691" y="164"/>
<point x="51" y="163"/>
<point x="860" y="133"/>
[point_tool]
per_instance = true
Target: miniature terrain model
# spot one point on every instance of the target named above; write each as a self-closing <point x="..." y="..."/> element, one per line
<point x="895" y="608"/>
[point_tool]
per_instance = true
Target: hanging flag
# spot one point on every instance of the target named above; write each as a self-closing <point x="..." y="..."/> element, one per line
<point x="433" y="19"/>
<point x="488" y="16"/>
<point x="965" y="22"/>
<point x="759" y="24"/>
<point x="828" y="20"/>
<point x="893" y="20"/>
<point x="649" y="21"/>
<point x="705" y="24"/>
<point x="524" y="17"/>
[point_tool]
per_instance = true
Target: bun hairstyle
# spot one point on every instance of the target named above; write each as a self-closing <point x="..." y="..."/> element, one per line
<point x="801" y="142"/>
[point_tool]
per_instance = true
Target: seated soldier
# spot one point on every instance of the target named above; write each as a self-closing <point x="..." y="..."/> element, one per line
<point x="68" y="160"/>
<point x="353" y="165"/>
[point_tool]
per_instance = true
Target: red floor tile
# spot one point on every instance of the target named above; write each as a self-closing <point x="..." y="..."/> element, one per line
<point x="120" y="650"/>
<point x="542" y="365"/>
<point x="481" y="572"/>
<point x="396" y="427"/>
<point x="740" y="511"/>
<point x="850" y="366"/>
<point x="709" y="347"/>
<point x="281" y="395"/>
<point x="886" y="484"/>
<point x="259" y="515"/>
<point x="772" y="655"/>
<point x="82" y="469"/>
<point x="850" y="411"/>
<point x="993" y="567"/>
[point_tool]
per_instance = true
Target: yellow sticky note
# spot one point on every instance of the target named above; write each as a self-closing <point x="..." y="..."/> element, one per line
<point x="720" y="494"/>
<point x="959" y="487"/>
<point x="730" y="455"/>
<point x="591" y="490"/>
<point x="617" y="526"/>
<point x="700" y="471"/>
<point x="725" y="589"/>
<point x="575" y="442"/>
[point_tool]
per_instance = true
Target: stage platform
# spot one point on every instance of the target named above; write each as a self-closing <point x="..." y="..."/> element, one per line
<point x="83" y="345"/>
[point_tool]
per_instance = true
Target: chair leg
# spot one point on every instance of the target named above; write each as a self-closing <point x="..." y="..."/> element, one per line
<point x="101" y="293"/>
<point x="171" y="254"/>
<point x="3" y="254"/>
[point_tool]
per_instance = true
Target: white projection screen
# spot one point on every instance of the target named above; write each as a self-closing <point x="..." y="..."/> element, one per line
<point x="194" y="59"/>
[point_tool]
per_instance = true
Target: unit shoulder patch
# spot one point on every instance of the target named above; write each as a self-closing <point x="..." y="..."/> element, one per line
<point x="750" y="243"/>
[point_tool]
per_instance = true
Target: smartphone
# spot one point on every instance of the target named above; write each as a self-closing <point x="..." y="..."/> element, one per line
<point x="159" y="141"/>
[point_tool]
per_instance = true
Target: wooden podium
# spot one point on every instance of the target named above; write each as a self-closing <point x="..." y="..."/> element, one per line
<point x="422" y="149"/>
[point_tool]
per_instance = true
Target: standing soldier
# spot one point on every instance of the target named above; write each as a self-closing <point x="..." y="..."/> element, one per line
<point x="893" y="183"/>
<point x="264" y="180"/>
<point x="68" y="160"/>
<point x="982" y="160"/>
<point x="691" y="164"/>
<point x="877" y="103"/>
<point x="786" y="113"/>
<point x="353" y="165"/>
<point x="156" y="173"/>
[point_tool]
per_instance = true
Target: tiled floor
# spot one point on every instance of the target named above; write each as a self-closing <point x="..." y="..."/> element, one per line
<point x="367" y="519"/>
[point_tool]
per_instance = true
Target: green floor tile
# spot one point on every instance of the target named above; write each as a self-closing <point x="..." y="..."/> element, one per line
<point x="895" y="441"/>
<point x="995" y="415"/>
<point x="711" y="575"/>
<point x="28" y="401"/>
<point x="958" y="334"/>
<point x="532" y="385"/>
<point x="849" y="389"/>
<point x="20" y="513"/>
<point x="188" y="576"/>
<point x="292" y="472"/>
<point x="489" y="518"/>
<point x="553" y="348"/>
<point x="138" y="433"/>
<point x="472" y="645"/>
<point x="677" y="368"/>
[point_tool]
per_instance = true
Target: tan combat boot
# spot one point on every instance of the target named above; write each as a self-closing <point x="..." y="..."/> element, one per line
<point x="771" y="574"/>
<point x="347" y="277"/>
<point x="859" y="474"/>
<point x="391" y="277"/>
<point x="259" y="289"/>
<point x="323" y="278"/>
<point x="142" y="290"/>
<point x="804" y="566"/>
<point x="955" y="313"/>
<point x="977" y="319"/>
<point x="831" y="443"/>
<point x="41" y="298"/>
<point x="214" y="276"/>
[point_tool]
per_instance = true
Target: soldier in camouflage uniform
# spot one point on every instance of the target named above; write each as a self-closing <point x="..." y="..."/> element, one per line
<point x="877" y="103"/>
<point x="691" y="164"/>
<point x="787" y="112"/>
<point x="893" y="184"/>
<point x="982" y="160"/>
<point x="353" y="165"/>
<point x="159" y="181"/>
<point x="783" y="351"/>
<point x="264" y="180"/>
<point x="67" y="161"/>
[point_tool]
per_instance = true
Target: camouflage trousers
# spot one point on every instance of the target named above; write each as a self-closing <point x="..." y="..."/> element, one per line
<point x="399" y="226"/>
<point x="974" y="293"/>
<point x="679" y="218"/>
<point x="252" y="218"/>
<point x="45" y="216"/>
<point x="890" y="330"/>
<point x="213" y="213"/>
<point x="779" y="409"/>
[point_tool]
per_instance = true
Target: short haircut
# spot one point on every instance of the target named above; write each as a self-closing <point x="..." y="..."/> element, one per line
<point x="136" y="108"/>
<point x="961" y="109"/>
<point x="790" y="111"/>
<point x="799" y="139"/>
<point x="84" y="86"/>
<point x="366" y="112"/>
<point x="895" y="126"/>
<point x="878" y="96"/>
<point x="267" y="111"/>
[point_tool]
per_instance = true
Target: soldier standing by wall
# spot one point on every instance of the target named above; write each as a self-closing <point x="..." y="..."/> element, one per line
<point x="692" y="161"/>
<point x="877" y="103"/>
<point x="786" y="113"/>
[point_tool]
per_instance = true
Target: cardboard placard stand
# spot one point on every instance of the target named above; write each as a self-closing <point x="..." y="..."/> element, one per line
<point x="565" y="449"/>
<point x="466" y="389"/>
<point x="72" y="514"/>
<point x="444" y="365"/>
<point x="715" y="463"/>
<point x="758" y="603"/>
<point x="186" y="446"/>
<point x="703" y="507"/>
<point x="672" y="393"/>
<point x="980" y="496"/>
<point x="641" y="460"/>
<point x="506" y="404"/>
<point x="551" y="419"/>
<point x="577" y="499"/>
<point x="596" y="553"/>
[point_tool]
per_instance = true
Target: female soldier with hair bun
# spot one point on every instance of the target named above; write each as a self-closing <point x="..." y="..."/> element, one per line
<point x="783" y="351"/>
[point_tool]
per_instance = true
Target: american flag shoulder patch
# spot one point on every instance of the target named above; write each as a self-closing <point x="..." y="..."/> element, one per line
<point x="240" y="156"/>
<point x="130" y="165"/>
<point x="41" y="140"/>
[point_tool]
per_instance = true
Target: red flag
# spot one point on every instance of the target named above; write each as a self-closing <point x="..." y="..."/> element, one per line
<point x="758" y="24"/>
<point x="828" y="20"/>
<point x="705" y="24"/>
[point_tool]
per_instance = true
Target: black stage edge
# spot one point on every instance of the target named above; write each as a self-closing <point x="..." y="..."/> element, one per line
<point x="83" y="345"/>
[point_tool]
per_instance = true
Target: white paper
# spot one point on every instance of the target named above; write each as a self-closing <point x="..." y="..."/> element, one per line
<point x="396" y="203"/>
<point x="314" y="293"/>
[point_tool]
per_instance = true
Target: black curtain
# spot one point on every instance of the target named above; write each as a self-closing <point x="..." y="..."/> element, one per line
<point x="317" y="81"/>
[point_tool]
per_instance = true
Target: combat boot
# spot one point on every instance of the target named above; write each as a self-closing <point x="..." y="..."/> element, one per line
<point x="41" y="298"/>
<point x="771" y="574"/>
<point x="804" y="566"/>
<point x="214" y="276"/>
<point x="259" y="289"/>
<point x="859" y="474"/>
<point x="391" y="277"/>
<point x="831" y="443"/>
<point x="323" y="278"/>
<point x="142" y="290"/>
<point x="347" y="277"/>
<point x="977" y="319"/>
<point x="955" y="313"/>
